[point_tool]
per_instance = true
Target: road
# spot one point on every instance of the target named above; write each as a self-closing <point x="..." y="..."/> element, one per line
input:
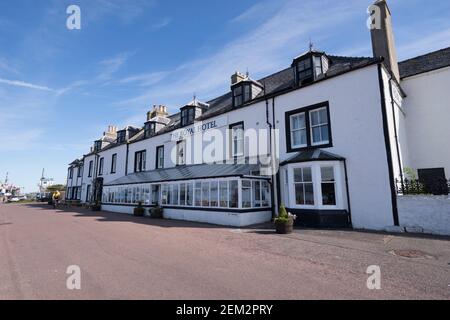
<point x="123" y="257"/>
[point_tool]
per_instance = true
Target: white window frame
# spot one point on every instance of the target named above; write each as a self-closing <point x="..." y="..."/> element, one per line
<point x="305" y="129"/>
<point x="311" y="126"/>
<point x="238" y="137"/>
<point x="317" y="185"/>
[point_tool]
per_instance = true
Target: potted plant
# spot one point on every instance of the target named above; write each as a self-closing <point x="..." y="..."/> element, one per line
<point x="284" y="223"/>
<point x="139" y="211"/>
<point x="96" y="206"/>
<point x="157" y="212"/>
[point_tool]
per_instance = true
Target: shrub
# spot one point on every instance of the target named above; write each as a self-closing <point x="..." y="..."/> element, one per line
<point x="139" y="211"/>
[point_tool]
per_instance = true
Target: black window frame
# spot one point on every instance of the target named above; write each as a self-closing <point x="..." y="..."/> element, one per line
<point x="142" y="156"/>
<point x="150" y="129"/>
<point x="157" y="166"/>
<point x="121" y="136"/>
<point x="310" y="76"/>
<point x="114" y="163"/>
<point x="309" y="145"/>
<point x="91" y="167"/>
<point x="98" y="145"/>
<point x="242" y="95"/>
<point x="101" y="166"/>
<point x="80" y="172"/>
<point x="187" y="116"/>
<point x="71" y="173"/>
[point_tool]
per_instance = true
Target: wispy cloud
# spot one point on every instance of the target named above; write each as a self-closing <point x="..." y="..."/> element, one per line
<point x="23" y="84"/>
<point x="160" y="24"/>
<point x="147" y="79"/>
<point x="263" y="49"/>
<point x="427" y="43"/>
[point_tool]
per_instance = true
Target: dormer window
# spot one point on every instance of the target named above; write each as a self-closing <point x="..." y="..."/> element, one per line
<point x="98" y="145"/>
<point x="310" y="66"/>
<point x="304" y="70"/>
<point x="150" y="129"/>
<point x="187" y="116"/>
<point x="121" y="136"/>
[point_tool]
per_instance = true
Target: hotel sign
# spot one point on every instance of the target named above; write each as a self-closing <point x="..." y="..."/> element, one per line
<point x="198" y="128"/>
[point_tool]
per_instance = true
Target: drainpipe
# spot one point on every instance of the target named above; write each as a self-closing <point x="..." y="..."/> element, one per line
<point x="277" y="178"/>
<point x="397" y="144"/>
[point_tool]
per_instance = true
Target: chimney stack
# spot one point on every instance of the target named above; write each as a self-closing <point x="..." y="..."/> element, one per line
<point x="383" y="43"/>
<point x="158" y="111"/>
<point x="238" y="77"/>
<point x="111" y="132"/>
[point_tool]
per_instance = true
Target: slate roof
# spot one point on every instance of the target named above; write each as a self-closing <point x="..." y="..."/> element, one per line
<point x="313" y="155"/>
<point x="274" y="84"/>
<point x="193" y="172"/>
<point x="426" y="63"/>
<point x="278" y="82"/>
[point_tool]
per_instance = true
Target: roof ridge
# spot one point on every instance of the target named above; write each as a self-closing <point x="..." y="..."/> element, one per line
<point x="426" y="54"/>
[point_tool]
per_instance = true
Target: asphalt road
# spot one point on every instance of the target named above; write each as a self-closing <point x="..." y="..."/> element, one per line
<point x="123" y="257"/>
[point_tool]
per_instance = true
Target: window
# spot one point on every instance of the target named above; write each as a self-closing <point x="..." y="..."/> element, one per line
<point x="91" y="165"/>
<point x="233" y="194"/>
<point x="98" y="145"/>
<point x="246" y="194"/>
<point x="308" y="127"/>
<point x="100" y="166"/>
<point x="214" y="196"/>
<point x="242" y="94"/>
<point x="328" y="186"/>
<point x="319" y="126"/>
<point x="304" y="70"/>
<point x="198" y="194"/>
<point x="189" y="194"/>
<point x="149" y="129"/>
<point x="187" y="116"/>
<point x="298" y="131"/>
<point x="140" y="161"/>
<point x="318" y="66"/>
<point x="181" y="153"/>
<point x="205" y="194"/>
<point x="182" y="194"/>
<point x="223" y="194"/>
<point x="303" y="185"/>
<point x="80" y="172"/>
<point x="257" y="194"/>
<point x="88" y="193"/>
<point x="160" y="157"/>
<point x="121" y="136"/>
<point x="70" y="173"/>
<point x="237" y="140"/>
<point x="114" y="163"/>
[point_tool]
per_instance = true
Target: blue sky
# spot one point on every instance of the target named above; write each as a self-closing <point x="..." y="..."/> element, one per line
<point x="60" y="89"/>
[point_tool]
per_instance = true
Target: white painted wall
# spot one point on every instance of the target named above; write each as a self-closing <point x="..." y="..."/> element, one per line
<point x="427" y="214"/>
<point x="357" y="130"/>
<point x="427" y="109"/>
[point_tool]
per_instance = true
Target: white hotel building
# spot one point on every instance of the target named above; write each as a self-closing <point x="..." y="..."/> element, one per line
<point x="338" y="129"/>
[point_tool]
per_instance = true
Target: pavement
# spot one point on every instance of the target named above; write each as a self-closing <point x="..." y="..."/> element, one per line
<point x="125" y="257"/>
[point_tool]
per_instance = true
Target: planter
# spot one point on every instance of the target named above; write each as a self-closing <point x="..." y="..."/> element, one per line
<point x="157" y="213"/>
<point x="96" y="208"/>
<point x="139" y="212"/>
<point x="284" y="227"/>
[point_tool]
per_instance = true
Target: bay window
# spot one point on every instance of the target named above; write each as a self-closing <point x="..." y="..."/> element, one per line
<point x="303" y="186"/>
<point x="315" y="185"/>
